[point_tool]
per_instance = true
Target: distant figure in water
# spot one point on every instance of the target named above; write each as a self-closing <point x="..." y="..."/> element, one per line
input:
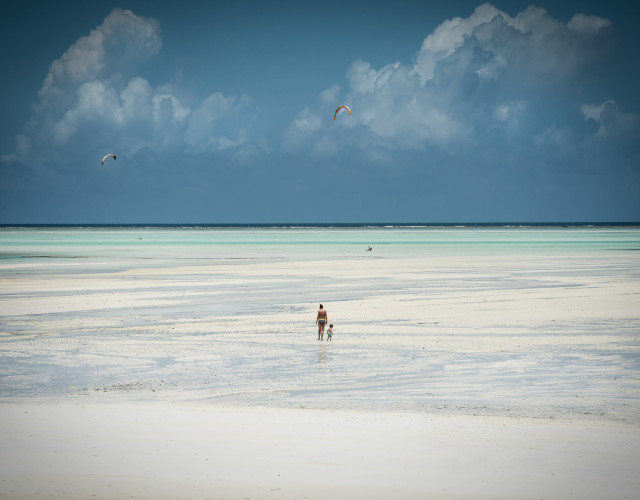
<point x="330" y="333"/>
<point x="321" y="320"/>
<point x="369" y="249"/>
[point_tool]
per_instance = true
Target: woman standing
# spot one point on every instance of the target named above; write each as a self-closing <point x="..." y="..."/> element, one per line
<point x="321" y="320"/>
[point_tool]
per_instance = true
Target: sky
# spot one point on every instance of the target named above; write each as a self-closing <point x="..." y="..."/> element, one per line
<point x="223" y="112"/>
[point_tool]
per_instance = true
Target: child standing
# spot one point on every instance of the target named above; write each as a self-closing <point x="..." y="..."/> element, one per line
<point x="330" y="333"/>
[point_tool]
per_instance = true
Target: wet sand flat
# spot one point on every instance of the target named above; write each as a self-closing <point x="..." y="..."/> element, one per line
<point x="480" y="374"/>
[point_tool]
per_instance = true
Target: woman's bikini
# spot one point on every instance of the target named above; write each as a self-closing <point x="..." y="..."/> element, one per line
<point x="323" y="319"/>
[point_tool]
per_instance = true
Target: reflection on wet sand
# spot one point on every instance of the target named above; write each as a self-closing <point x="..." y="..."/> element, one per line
<point x="322" y="355"/>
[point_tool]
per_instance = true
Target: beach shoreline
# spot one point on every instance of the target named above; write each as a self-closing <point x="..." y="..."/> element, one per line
<point x="464" y="364"/>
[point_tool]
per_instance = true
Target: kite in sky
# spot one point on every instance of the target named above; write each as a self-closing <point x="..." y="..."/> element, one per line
<point x="345" y="107"/>
<point x="110" y="154"/>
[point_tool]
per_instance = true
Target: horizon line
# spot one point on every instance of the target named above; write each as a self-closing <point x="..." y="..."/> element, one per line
<point x="318" y="224"/>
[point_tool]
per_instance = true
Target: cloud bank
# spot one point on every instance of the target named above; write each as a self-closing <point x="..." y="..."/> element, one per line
<point x="93" y="97"/>
<point x="487" y="84"/>
<point x="488" y="89"/>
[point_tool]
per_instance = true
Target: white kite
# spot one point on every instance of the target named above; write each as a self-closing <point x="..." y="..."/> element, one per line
<point x="110" y="154"/>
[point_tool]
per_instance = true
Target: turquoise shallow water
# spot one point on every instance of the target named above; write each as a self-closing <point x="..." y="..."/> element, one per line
<point x="228" y="243"/>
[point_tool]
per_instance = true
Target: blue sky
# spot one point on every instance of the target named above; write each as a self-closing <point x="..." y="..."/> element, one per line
<point x="222" y="112"/>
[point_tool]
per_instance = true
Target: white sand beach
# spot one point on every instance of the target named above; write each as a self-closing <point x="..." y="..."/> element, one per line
<point x="162" y="450"/>
<point x="489" y="375"/>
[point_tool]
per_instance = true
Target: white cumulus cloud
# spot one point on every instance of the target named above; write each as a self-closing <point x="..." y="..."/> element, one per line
<point x="92" y="98"/>
<point x="121" y="41"/>
<point x="486" y="77"/>
<point x="207" y="130"/>
<point x="448" y="37"/>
